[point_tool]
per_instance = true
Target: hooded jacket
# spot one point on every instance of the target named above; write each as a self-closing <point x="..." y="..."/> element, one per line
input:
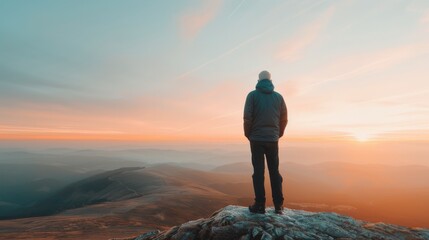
<point x="265" y="113"/>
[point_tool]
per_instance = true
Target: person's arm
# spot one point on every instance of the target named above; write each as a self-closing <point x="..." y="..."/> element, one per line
<point x="248" y="115"/>
<point x="283" y="118"/>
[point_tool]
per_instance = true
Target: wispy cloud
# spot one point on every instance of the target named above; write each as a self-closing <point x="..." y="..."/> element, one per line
<point x="425" y="17"/>
<point x="193" y="21"/>
<point x="396" y="97"/>
<point x="13" y="78"/>
<point x="420" y="8"/>
<point x="222" y="55"/>
<point x="24" y="129"/>
<point x="294" y="47"/>
<point x="249" y="40"/>
<point x="236" y="8"/>
<point x="355" y="66"/>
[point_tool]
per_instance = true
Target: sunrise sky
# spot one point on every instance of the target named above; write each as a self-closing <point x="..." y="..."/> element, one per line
<point x="181" y="70"/>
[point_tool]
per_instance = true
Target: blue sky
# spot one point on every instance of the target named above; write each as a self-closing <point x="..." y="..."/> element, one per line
<point x="182" y="69"/>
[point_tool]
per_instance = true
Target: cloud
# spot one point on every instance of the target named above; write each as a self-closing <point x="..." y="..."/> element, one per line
<point x="294" y="48"/>
<point x="357" y="65"/>
<point x="391" y="99"/>
<point x="420" y="8"/>
<point x="10" y="78"/>
<point x="236" y="8"/>
<point x="25" y="129"/>
<point x="425" y="17"/>
<point x="221" y="55"/>
<point x="192" y="22"/>
<point x="250" y="39"/>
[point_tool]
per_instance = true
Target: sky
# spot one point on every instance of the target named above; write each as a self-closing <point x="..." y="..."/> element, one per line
<point x="181" y="70"/>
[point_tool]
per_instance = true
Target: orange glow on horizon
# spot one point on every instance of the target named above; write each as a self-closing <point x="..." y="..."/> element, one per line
<point x="196" y="138"/>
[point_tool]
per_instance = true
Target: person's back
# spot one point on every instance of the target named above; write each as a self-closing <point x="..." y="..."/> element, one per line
<point x="263" y="113"/>
<point x="265" y="119"/>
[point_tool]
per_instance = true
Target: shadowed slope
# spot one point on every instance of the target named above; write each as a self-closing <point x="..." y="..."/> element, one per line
<point x="108" y="186"/>
<point x="160" y="181"/>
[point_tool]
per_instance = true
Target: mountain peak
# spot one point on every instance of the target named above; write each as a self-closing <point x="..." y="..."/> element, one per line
<point x="236" y="222"/>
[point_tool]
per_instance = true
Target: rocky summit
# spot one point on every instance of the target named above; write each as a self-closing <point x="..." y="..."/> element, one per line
<point x="236" y="222"/>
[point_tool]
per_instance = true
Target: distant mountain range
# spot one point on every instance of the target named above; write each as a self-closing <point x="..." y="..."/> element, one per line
<point x="141" y="196"/>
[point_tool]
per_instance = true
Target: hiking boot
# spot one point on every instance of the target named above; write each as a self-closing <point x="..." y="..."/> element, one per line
<point x="278" y="208"/>
<point x="257" y="208"/>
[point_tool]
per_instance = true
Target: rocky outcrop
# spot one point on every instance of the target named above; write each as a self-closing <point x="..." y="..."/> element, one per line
<point x="235" y="222"/>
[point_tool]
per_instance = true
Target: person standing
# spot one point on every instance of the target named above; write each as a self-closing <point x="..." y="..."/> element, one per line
<point x="265" y="119"/>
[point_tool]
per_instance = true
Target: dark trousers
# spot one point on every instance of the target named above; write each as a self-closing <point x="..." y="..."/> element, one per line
<point x="271" y="151"/>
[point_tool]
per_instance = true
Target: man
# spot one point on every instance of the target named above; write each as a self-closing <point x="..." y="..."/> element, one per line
<point x="265" y="119"/>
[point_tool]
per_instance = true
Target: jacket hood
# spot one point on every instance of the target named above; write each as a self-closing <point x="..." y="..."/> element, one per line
<point x="265" y="86"/>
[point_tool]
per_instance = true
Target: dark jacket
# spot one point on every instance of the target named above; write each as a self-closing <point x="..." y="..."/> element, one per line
<point x="265" y="113"/>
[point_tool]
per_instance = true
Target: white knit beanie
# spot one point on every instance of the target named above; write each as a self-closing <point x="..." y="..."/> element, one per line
<point x="264" y="75"/>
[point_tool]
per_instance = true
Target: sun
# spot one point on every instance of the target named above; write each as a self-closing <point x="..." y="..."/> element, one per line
<point x="362" y="137"/>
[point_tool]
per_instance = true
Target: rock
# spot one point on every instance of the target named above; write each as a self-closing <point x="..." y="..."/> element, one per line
<point x="147" y="235"/>
<point x="237" y="223"/>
